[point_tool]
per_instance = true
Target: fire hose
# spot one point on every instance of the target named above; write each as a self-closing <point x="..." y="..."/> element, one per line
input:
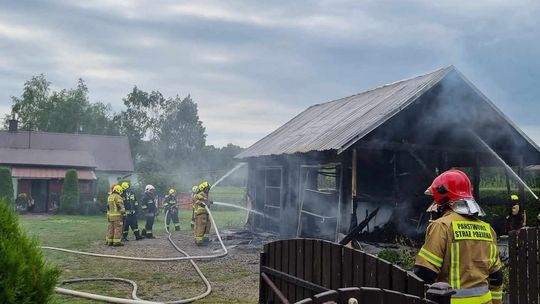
<point x="137" y="300"/>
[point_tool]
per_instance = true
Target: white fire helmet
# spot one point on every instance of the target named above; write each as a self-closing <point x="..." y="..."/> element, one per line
<point x="149" y="188"/>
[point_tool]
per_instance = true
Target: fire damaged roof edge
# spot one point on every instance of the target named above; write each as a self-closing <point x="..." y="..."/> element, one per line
<point x="496" y="109"/>
<point x="399" y="103"/>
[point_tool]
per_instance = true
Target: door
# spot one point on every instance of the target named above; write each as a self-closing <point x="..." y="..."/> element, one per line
<point x="39" y="195"/>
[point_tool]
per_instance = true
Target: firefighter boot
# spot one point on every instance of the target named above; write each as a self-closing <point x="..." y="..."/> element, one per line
<point x="138" y="236"/>
<point x="124" y="237"/>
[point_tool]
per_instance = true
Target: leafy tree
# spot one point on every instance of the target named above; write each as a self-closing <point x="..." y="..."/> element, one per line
<point x="69" y="198"/>
<point x="6" y="186"/>
<point x="68" y="111"/>
<point x="25" y="277"/>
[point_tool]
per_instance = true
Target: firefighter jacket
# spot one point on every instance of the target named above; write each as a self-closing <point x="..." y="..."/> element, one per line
<point x="115" y="207"/>
<point x="201" y="200"/>
<point x="129" y="202"/>
<point x="170" y="201"/>
<point x="148" y="202"/>
<point x="463" y="252"/>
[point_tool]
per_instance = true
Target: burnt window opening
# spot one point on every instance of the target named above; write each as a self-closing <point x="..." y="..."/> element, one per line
<point x="273" y="182"/>
<point x="319" y="201"/>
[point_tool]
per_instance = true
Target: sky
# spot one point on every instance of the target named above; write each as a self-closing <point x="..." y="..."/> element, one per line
<point x="253" y="65"/>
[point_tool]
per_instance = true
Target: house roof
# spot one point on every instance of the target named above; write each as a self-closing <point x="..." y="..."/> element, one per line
<point x="104" y="153"/>
<point x="41" y="157"/>
<point x="338" y="124"/>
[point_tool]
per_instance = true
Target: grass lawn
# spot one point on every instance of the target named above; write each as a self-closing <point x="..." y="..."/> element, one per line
<point x="157" y="280"/>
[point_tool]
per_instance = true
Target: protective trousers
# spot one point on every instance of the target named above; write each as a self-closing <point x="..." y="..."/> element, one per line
<point x="147" y="231"/>
<point x="114" y="232"/>
<point x="131" y="221"/>
<point x="202" y="228"/>
<point x="172" y="215"/>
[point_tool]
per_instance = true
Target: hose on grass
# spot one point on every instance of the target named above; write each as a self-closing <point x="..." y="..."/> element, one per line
<point x="135" y="299"/>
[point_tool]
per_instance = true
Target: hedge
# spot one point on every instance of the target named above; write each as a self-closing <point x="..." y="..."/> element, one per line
<point x="69" y="198"/>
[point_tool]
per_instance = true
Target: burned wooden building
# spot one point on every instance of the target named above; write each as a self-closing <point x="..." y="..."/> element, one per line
<point x="380" y="148"/>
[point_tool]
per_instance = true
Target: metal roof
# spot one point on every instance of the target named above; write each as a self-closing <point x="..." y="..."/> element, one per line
<point x="338" y="124"/>
<point x="64" y="158"/>
<point x="109" y="153"/>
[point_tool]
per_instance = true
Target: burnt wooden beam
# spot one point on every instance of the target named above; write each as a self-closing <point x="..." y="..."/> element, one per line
<point x="292" y="279"/>
<point x="274" y="288"/>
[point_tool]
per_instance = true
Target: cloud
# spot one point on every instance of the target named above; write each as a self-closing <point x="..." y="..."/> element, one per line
<point x="251" y="66"/>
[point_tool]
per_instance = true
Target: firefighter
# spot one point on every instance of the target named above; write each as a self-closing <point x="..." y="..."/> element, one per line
<point x="130" y="220"/>
<point x="149" y="206"/>
<point x="194" y="191"/>
<point x="170" y="205"/>
<point x="460" y="249"/>
<point x="516" y="219"/>
<point x="115" y="214"/>
<point x="202" y="221"/>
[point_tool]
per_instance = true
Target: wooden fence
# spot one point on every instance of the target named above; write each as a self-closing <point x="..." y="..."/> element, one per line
<point x="364" y="295"/>
<point x="301" y="268"/>
<point x="524" y="269"/>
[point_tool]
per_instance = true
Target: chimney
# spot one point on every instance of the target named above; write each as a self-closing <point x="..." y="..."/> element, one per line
<point x="13" y="124"/>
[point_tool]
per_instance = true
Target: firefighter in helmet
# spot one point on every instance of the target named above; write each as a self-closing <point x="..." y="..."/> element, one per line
<point x="115" y="214"/>
<point x="130" y="220"/>
<point x="517" y="219"/>
<point x="149" y="206"/>
<point x="194" y="191"/>
<point x="171" y="208"/>
<point x="460" y="249"/>
<point x="202" y="220"/>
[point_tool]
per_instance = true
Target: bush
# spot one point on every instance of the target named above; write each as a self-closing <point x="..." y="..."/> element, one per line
<point x="25" y="277"/>
<point x="6" y="186"/>
<point x="404" y="258"/>
<point x="69" y="199"/>
<point x="102" y="193"/>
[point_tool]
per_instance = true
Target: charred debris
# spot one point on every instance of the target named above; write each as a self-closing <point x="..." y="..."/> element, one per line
<point x="331" y="166"/>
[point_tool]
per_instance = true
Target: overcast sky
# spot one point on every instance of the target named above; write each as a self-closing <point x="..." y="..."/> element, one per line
<point x="253" y="65"/>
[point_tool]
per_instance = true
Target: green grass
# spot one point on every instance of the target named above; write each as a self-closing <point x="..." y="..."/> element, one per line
<point x="88" y="233"/>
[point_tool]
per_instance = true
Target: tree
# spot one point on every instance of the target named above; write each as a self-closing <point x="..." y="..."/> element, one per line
<point x="67" y="111"/>
<point x="103" y="189"/>
<point x="6" y="186"/>
<point x="181" y="133"/>
<point x="69" y="198"/>
<point x="25" y="277"/>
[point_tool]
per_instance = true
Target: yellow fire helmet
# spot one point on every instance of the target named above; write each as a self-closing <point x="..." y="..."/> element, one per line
<point x="195" y="189"/>
<point x="514" y="197"/>
<point x="172" y="191"/>
<point x="118" y="189"/>
<point x="125" y="185"/>
<point x="203" y="186"/>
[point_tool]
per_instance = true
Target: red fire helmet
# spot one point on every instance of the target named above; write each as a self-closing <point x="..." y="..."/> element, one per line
<point x="450" y="186"/>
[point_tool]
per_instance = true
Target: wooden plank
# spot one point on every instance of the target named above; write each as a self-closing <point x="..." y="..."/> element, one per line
<point x="349" y="293"/>
<point x="271" y="264"/>
<point x="522" y="267"/>
<point x="532" y="263"/>
<point x="284" y="265"/>
<point x="370" y="272"/>
<point x="370" y="295"/>
<point x="291" y="294"/>
<point x="415" y="285"/>
<point x="326" y="264"/>
<point x="347" y="268"/>
<point x="391" y="296"/>
<point x="277" y="265"/>
<point x="300" y="267"/>
<point x="358" y="268"/>
<point x="262" y="283"/>
<point x="384" y="274"/>
<point x="276" y="291"/>
<point x="325" y="297"/>
<point x="308" y="266"/>
<point x="337" y="259"/>
<point x="399" y="279"/>
<point x="317" y="262"/>
<point x="513" y="255"/>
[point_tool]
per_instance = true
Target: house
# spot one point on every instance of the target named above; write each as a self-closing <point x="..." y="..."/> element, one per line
<point x="381" y="149"/>
<point x="39" y="160"/>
